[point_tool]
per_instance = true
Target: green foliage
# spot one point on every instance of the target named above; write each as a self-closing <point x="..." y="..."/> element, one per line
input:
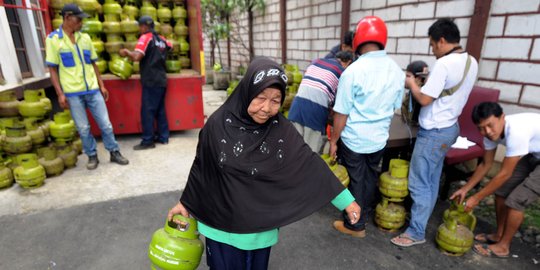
<point x="216" y="14"/>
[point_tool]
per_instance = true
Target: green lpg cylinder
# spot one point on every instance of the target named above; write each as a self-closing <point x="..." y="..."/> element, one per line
<point x="32" y="106"/>
<point x="6" y="176"/>
<point x="102" y="65"/>
<point x="147" y="9"/>
<point x="9" y="105"/>
<point x="45" y="126"/>
<point x="457" y="211"/>
<point x="29" y="173"/>
<point x="172" y="66"/>
<point x="77" y="145"/>
<point x="46" y="101"/>
<point x="389" y="216"/>
<point x="297" y="75"/>
<point x="16" y="140"/>
<point x="34" y="131"/>
<point x="67" y="154"/>
<point x="175" y="246"/>
<point x="453" y="238"/>
<point x="394" y="183"/>
<point x="63" y="127"/>
<point x="53" y="164"/>
<point x="179" y="13"/>
<point x="164" y="13"/>
<point x="180" y="29"/>
<point x="120" y="67"/>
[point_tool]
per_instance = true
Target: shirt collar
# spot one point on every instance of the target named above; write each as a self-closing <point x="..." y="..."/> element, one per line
<point x="378" y="53"/>
<point x="61" y="33"/>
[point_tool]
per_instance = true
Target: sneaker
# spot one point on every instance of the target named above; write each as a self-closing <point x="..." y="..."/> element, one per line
<point x="117" y="158"/>
<point x="338" y="225"/>
<point x="144" y="146"/>
<point x="92" y="162"/>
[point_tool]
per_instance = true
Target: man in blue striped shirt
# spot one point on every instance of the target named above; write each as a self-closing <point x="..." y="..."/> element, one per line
<point x="310" y="108"/>
<point x="369" y="92"/>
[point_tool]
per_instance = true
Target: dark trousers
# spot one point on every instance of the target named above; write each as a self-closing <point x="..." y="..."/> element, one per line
<point x="153" y="108"/>
<point x="362" y="169"/>
<point x="220" y="256"/>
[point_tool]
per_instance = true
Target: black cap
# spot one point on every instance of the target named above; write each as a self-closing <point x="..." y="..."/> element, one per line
<point x="73" y="9"/>
<point x="146" y="20"/>
<point x="418" y="68"/>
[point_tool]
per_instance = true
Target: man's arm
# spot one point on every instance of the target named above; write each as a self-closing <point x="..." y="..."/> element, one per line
<point x="56" y="84"/>
<point x="507" y="168"/>
<point x="340" y="120"/>
<point x="133" y="55"/>
<point x="477" y="176"/>
<point x="422" y="98"/>
<point x="102" y="88"/>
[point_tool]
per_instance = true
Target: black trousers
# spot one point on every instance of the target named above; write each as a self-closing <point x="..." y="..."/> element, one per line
<point x="220" y="256"/>
<point x="363" y="174"/>
<point x="153" y="108"/>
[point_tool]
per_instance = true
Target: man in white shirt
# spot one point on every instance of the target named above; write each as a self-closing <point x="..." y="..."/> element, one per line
<point x="442" y="98"/>
<point x="517" y="184"/>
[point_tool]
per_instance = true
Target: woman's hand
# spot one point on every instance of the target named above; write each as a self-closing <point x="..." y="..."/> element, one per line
<point x="353" y="211"/>
<point x="177" y="209"/>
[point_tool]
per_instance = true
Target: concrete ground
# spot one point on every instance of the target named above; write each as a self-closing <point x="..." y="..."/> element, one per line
<point x="104" y="219"/>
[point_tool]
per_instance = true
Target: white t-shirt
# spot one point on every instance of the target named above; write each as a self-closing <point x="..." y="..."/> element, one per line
<point x="447" y="73"/>
<point x="521" y="135"/>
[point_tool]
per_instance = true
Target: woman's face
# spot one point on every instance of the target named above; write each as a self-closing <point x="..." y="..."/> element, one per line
<point x="265" y="105"/>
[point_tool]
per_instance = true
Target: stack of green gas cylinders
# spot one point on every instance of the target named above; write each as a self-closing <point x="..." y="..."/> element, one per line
<point x="390" y="213"/>
<point x="113" y="26"/>
<point x="32" y="146"/>
<point x="294" y="77"/>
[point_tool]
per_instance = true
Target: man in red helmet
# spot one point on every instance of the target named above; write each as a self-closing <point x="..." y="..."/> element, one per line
<point x="442" y="98"/>
<point x="369" y="91"/>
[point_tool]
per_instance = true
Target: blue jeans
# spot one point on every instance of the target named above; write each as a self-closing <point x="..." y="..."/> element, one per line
<point x="96" y="105"/>
<point x="153" y="107"/>
<point x="363" y="175"/>
<point x="424" y="174"/>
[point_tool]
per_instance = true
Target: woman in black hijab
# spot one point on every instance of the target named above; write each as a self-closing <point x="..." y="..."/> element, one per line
<point x="253" y="173"/>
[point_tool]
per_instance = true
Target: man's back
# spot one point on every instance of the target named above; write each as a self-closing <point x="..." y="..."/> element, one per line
<point x="369" y="91"/>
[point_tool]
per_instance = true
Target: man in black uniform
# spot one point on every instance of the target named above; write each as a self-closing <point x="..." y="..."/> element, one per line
<point x="151" y="51"/>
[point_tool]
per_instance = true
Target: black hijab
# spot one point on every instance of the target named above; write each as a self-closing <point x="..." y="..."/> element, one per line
<point x="249" y="177"/>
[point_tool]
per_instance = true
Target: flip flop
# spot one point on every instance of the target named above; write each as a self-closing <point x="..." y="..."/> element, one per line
<point x="490" y="253"/>
<point x="405" y="236"/>
<point x="483" y="238"/>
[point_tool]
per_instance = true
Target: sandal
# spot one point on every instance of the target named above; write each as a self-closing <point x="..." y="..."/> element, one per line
<point x="489" y="254"/>
<point x="405" y="236"/>
<point x="484" y="238"/>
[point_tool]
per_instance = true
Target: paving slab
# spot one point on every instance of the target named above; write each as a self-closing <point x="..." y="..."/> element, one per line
<point x="115" y="235"/>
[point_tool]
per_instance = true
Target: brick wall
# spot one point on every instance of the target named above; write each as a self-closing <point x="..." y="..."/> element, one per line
<point x="408" y="22"/>
<point x="511" y="53"/>
<point x="510" y="58"/>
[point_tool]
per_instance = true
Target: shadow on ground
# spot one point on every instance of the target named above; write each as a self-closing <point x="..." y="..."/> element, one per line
<point x="115" y="235"/>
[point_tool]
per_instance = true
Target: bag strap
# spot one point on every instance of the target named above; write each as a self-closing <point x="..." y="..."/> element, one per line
<point x="450" y="91"/>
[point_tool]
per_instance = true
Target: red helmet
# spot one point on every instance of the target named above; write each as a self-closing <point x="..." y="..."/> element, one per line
<point x="370" y="29"/>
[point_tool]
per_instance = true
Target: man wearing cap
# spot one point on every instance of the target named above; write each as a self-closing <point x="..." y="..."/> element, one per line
<point x="365" y="102"/>
<point x="75" y="76"/>
<point x="151" y="51"/>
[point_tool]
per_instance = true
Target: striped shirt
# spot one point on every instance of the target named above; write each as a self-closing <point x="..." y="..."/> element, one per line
<point x="316" y="94"/>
